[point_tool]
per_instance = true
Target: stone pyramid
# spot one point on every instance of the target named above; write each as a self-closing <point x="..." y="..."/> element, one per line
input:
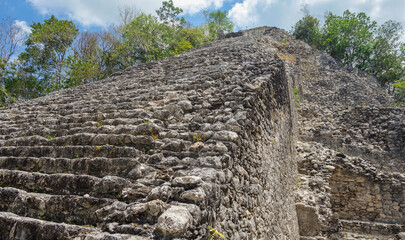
<point x="160" y="150"/>
<point x="256" y="135"/>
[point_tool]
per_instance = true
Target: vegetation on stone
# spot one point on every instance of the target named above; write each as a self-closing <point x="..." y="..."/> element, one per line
<point x="360" y="43"/>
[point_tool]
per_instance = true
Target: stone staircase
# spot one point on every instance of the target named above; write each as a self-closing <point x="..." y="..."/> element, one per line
<point x="157" y="151"/>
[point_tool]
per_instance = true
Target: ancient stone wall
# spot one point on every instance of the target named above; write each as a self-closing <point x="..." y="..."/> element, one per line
<point x="365" y="197"/>
<point x="376" y="133"/>
<point x="345" y="123"/>
<point x="257" y="181"/>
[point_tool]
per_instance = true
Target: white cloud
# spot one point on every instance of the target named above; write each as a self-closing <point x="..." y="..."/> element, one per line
<point x="249" y="12"/>
<point x="105" y="12"/>
<point x="313" y="2"/>
<point x="245" y="13"/>
<point x="194" y="6"/>
<point x="23" y="26"/>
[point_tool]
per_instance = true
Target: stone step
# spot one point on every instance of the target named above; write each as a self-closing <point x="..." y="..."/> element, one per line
<point x="109" y="116"/>
<point x="141" y="142"/>
<point x="46" y="118"/>
<point x="57" y="208"/>
<point x="15" y="227"/>
<point x="371" y="228"/>
<point x="98" y="167"/>
<point x="54" y="131"/>
<point x="64" y="184"/>
<point x="86" y="109"/>
<point x="357" y="236"/>
<point x="107" y="151"/>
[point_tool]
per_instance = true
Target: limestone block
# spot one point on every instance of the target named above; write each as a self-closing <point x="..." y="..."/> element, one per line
<point x="174" y="221"/>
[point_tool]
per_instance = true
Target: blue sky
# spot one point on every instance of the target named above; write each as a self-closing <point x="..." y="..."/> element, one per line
<point x="99" y="14"/>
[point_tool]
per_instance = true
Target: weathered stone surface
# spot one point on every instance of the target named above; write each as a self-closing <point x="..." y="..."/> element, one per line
<point x="345" y="124"/>
<point x="174" y="221"/>
<point x="187" y="181"/>
<point x="195" y="195"/>
<point x="308" y="220"/>
<point x="208" y="138"/>
<point x="161" y="149"/>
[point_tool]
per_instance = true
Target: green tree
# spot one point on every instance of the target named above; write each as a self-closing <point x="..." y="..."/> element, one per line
<point x="81" y="72"/>
<point x="169" y="14"/>
<point x="349" y="38"/>
<point x="307" y="29"/>
<point x="112" y="54"/>
<point x="387" y="59"/>
<point x="144" y="40"/>
<point x="20" y="83"/>
<point x="86" y="63"/>
<point x="358" y="42"/>
<point x="195" y="36"/>
<point x="218" y="23"/>
<point x="399" y="90"/>
<point x="147" y="38"/>
<point x="188" y="38"/>
<point x="47" y="49"/>
<point x="3" y="91"/>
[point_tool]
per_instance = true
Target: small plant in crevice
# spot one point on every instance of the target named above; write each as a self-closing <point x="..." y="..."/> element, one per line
<point x="145" y="121"/>
<point x="197" y="137"/>
<point x="286" y="42"/>
<point x="299" y="183"/>
<point x="71" y="222"/>
<point x="155" y="136"/>
<point x="296" y="97"/>
<point x="214" y="233"/>
<point x="40" y="214"/>
<point x="99" y="124"/>
<point x="398" y="103"/>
